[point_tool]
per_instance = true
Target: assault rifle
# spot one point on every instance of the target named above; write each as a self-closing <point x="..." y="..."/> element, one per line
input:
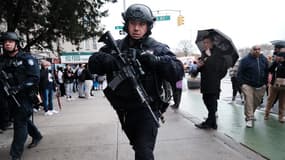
<point x="128" y="71"/>
<point x="6" y="86"/>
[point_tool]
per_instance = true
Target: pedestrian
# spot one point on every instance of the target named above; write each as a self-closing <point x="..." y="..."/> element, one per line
<point x="24" y="75"/>
<point x="88" y="81"/>
<point x="277" y="85"/>
<point x="68" y="78"/>
<point x="100" y="80"/>
<point x="47" y="87"/>
<point x="235" y="84"/>
<point x="252" y="76"/>
<point x="60" y="81"/>
<point x="193" y="69"/>
<point x="157" y="63"/>
<point x="80" y="76"/>
<point x="212" y="68"/>
<point x="95" y="82"/>
<point x="275" y="52"/>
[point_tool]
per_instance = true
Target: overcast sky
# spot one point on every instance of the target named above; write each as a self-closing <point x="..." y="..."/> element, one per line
<point x="247" y="22"/>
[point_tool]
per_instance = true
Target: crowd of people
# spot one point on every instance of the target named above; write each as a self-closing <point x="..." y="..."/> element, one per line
<point x="65" y="81"/>
<point x="255" y="75"/>
<point x="40" y="83"/>
<point x="28" y="85"/>
<point x="252" y="76"/>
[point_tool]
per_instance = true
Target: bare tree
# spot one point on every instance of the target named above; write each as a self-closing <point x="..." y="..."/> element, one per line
<point x="266" y="49"/>
<point x="41" y="22"/>
<point x="186" y="47"/>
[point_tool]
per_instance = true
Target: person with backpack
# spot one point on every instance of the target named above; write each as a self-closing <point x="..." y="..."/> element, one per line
<point x="277" y="86"/>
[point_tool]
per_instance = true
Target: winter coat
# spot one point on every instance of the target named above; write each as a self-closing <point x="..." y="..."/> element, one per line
<point x="253" y="71"/>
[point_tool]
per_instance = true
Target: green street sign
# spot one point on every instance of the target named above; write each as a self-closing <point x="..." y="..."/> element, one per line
<point x="163" y="18"/>
<point x="119" y="27"/>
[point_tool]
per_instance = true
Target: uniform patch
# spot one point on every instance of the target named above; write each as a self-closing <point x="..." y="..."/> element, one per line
<point x="18" y="63"/>
<point x="31" y="62"/>
<point x="149" y="51"/>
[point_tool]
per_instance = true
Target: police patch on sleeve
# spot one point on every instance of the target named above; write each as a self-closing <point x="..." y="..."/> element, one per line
<point x="31" y="62"/>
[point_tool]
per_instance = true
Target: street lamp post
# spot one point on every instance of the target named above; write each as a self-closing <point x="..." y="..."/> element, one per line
<point x="124" y="5"/>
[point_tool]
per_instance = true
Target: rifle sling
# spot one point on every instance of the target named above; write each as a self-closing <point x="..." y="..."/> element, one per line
<point x="116" y="81"/>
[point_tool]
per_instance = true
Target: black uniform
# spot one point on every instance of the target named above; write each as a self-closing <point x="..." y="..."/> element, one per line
<point x="135" y="118"/>
<point x="4" y="112"/>
<point x="23" y="74"/>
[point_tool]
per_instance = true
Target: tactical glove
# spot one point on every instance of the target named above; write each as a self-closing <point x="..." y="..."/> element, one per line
<point x="149" y="60"/>
<point x="14" y="90"/>
<point x="102" y="63"/>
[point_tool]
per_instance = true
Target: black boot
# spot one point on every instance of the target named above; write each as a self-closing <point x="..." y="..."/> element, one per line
<point x="35" y="142"/>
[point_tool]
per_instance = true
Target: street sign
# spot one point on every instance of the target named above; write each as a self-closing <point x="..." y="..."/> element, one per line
<point x="75" y="57"/>
<point x="119" y="27"/>
<point x="163" y="18"/>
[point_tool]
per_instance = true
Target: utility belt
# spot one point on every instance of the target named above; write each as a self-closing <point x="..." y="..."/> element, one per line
<point x="34" y="95"/>
<point x="121" y="99"/>
<point x="279" y="83"/>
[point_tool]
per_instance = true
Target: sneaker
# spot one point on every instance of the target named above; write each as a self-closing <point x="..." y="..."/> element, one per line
<point x="35" y="110"/>
<point x="48" y="113"/>
<point x="249" y="124"/>
<point x="54" y="111"/>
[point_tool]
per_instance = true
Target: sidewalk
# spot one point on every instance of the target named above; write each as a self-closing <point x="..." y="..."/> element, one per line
<point x="88" y="129"/>
<point x="266" y="138"/>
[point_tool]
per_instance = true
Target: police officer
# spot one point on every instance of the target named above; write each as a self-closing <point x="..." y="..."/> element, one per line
<point x="158" y="64"/>
<point x="22" y="72"/>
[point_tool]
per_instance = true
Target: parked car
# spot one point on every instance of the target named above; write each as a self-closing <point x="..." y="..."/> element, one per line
<point x="193" y="82"/>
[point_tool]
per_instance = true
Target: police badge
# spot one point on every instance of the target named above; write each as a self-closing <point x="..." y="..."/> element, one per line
<point x="31" y="62"/>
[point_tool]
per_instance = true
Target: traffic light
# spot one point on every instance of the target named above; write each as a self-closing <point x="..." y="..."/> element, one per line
<point x="180" y="20"/>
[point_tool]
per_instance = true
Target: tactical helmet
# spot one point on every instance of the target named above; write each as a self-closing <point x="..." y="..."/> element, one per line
<point x="139" y="12"/>
<point x="10" y="36"/>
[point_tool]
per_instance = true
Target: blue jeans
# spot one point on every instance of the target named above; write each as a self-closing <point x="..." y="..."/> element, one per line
<point x="47" y="98"/>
